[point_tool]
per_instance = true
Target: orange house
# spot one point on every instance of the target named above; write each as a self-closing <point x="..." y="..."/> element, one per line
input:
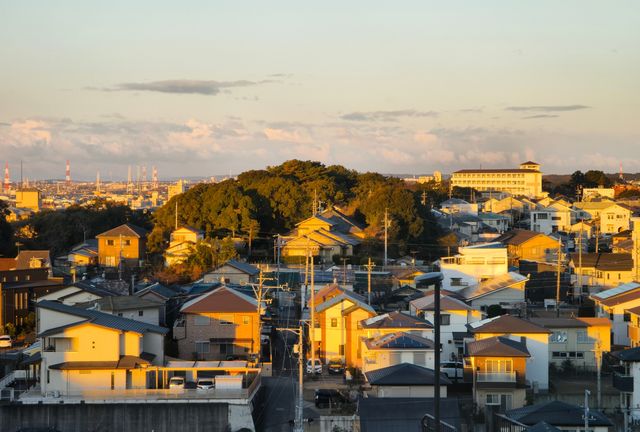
<point x="126" y="244"/>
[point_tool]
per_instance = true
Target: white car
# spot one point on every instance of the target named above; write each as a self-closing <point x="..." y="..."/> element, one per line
<point x="176" y="383"/>
<point x="453" y="370"/>
<point x="5" y="341"/>
<point x="205" y="384"/>
<point x="317" y="369"/>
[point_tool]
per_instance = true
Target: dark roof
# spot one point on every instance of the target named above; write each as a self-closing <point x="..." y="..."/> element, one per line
<point x="120" y="303"/>
<point x="557" y="413"/>
<point x="628" y="355"/>
<point x="395" y="320"/>
<point x="102" y="319"/>
<point x="506" y="324"/>
<point x="605" y="261"/>
<point x="90" y="288"/>
<point x="530" y="163"/>
<point x="399" y="340"/>
<point x="159" y="289"/>
<point x="243" y="267"/>
<point x="518" y="237"/>
<point x="125" y="362"/>
<point x="403" y="414"/>
<point x="508" y="170"/>
<point x="223" y="299"/>
<point x="543" y="427"/>
<point x="127" y="230"/>
<point x="404" y="374"/>
<point x="559" y="322"/>
<point x="497" y="346"/>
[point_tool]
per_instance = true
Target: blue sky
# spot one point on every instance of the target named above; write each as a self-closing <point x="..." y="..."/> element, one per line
<point x="204" y="88"/>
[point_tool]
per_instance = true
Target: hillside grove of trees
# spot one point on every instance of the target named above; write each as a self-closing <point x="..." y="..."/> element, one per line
<point x="262" y="203"/>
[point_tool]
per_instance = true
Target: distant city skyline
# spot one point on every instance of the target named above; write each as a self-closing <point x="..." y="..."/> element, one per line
<point x="199" y="89"/>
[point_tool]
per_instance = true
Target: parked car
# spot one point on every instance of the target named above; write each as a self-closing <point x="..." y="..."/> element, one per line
<point x="328" y="398"/>
<point x="5" y="341"/>
<point x="317" y="368"/>
<point x="453" y="370"/>
<point x="205" y="384"/>
<point x="176" y="383"/>
<point x="336" y="367"/>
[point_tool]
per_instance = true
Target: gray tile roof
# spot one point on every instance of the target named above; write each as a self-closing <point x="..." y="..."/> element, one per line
<point x="557" y="413"/>
<point x="404" y="374"/>
<point x="120" y="303"/>
<point x="403" y="414"/>
<point x="103" y="319"/>
<point x="243" y="267"/>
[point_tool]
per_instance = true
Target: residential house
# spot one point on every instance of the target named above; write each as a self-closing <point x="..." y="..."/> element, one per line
<point x="579" y="340"/>
<point x="181" y="243"/>
<point x="507" y="290"/>
<point x="473" y="264"/>
<point x="609" y="216"/>
<point x="634" y="326"/>
<point x="454" y="317"/>
<point x="534" y="337"/>
<point x="233" y="272"/>
<point x="123" y="245"/>
<point x="87" y="350"/>
<point x="336" y="331"/>
<point x="627" y="381"/>
<point x="529" y="245"/>
<point x="29" y="199"/>
<point x="389" y="349"/>
<point x="84" y="254"/>
<point x="498" y="222"/>
<point x="168" y="297"/>
<point x="218" y="324"/>
<point x="556" y="217"/>
<point x="497" y="367"/>
<point x="78" y="292"/>
<point x="558" y="414"/>
<point x="601" y="269"/>
<point x="457" y="205"/>
<point x="406" y="414"/>
<point x="131" y="307"/>
<point x="595" y="193"/>
<point x="405" y="380"/>
<point x="613" y="304"/>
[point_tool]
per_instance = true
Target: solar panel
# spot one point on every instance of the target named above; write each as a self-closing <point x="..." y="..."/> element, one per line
<point x="617" y="290"/>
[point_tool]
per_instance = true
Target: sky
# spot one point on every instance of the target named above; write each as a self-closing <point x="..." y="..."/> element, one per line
<point x="200" y="88"/>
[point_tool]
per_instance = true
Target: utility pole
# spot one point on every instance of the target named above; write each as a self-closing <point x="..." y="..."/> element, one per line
<point x="120" y="260"/>
<point x="299" y="420"/>
<point x="312" y="326"/>
<point x="580" y="262"/>
<point x="558" y="278"/>
<point x="436" y="356"/>
<point x="260" y="293"/>
<point x="386" y="235"/>
<point x="369" y="267"/>
<point x="586" y="409"/>
<point x="176" y="213"/>
<point x="278" y="259"/>
<point x="599" y="371"/>
<point x="597" y="234"/>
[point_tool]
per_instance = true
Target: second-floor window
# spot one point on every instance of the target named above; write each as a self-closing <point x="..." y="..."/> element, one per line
<point x="334" y="322"/>
<point x="498" y="366"/>
<point x="445" y="319"/>
<point x="558" y="337"/>
<point x="226" y="319"/>
<point x="110" y="242"/>
<point x="583" y="337"/>
<point x="201" y="320"/>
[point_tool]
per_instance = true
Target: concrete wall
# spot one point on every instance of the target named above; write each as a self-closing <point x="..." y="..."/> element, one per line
<point x="123" y="417"/>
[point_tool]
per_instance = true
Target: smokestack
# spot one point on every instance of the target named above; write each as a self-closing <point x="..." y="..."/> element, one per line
<point x="98" y="182"/>
<point x="7" y="179"/>
<point x="154" y="177"/>
<point x="68" y="174"/>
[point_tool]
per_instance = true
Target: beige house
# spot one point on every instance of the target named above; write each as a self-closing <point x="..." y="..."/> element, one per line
<point x="233" y="272"/>
<point x="601" y="269"/>
<point x="181" y="244"/>
<point x="609" y="216"/>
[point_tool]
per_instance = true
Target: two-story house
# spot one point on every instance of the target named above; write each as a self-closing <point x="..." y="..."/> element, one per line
<point x="533" y="336"/>
<point x="609" y="216"/>
<point x="181" y="243"/>
<point x="454" y="317"/>
<point x="132" y="307"/>
<point x="506" y="290"/>
<point x="123" y="245"/>
<point x="601" y="269"/>
<point x="497" y="367"/>
<point x="473" y="264"/>
<point x="553" y="218"/>
<point x="529" y="245"/>
<point x="394" y="348"/>
<point x="613" y="304"/>
<point x="233" y="272"/>
<point x="87" y="350"/>
<point x="218" y="324"/>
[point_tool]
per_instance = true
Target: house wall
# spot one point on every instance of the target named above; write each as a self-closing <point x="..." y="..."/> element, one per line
<point x="539" y="248"/>
<point x="458" y="319"/>
<point x="518" y="396"/>
<point x="588" y="361"/>
<point x="332" y="338"/>
<point x="376" y="359"/>
<point x="353" y="354"/>
<point x="505" y="297"/>
<point x="131" y="254"/>
<point x="635" y="396"/>
<point x="230" y="274"/>
<point x="245" y="337"/>
<point x="409" y="391"/>
<point x="149" y="315"/>
<point x="619" y="327"/>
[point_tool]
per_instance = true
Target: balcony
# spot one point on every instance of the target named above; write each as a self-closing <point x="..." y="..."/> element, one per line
<point x="496" y="377"/>
<point x="624" y="383"/>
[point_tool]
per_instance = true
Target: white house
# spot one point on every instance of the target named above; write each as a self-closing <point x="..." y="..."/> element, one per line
<point x="395" y="348"/>
<point x="553" y="218"/>
<point x="456" y="205"/>
<point x="506" y="290"/>
<point x="131" y="307"/>
<point x="610" y="217"/>
<point x="613" y="303"/>
<point x="473" y="264"/>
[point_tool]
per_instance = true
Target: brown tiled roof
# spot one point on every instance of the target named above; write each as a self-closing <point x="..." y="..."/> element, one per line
<point x="518" y="237"/>
<point x="223" y="299"/>
<point x="605" y="261"/>
<point x="497" y="346"/>
<point x="7" y="264"/>
<point x="559" y="322"/>
<point x="23" y="260"/>
<point x="125" y="230"/>
<point x="508" y="324"/>
<point x="395" y="320"/>
<point x="595" y="321"/>
<point x="620" y="299"/>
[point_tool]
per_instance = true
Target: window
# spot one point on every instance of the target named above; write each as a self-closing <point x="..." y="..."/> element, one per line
<point x="626" y="317"/>
<point x="341" y="350"/>
<point x="245" y="319"/>
<point x="334" y="322"/>
<point x="226" y="319"/>
<point x="419" y="358"/>
<point x="582" y="336"/>
<point x="110" y="261"/>
<point x="119" y="314"/>
<point x="226" y="349"/>
<point x="110" y="242"/>
<point x="140" y="313"/>
<point x="126" y="243"/>
<point x="580" y="355"/>
<point x="445" y="319"/>
<point x="498" y="366"/>
<point x="203" y="347"/>
<point x="558" y="337"/>
<point x="201" y="320"/>
<point x="492" y="399"/>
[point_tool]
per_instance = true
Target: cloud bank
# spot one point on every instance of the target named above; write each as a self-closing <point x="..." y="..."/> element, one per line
<point x="184" y="86"/>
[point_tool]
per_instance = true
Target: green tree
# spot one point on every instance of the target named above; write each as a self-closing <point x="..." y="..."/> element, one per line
<point x="6" y="231"/>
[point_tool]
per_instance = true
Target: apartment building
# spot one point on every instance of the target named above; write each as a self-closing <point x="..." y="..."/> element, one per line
<point x="525" y="180"/>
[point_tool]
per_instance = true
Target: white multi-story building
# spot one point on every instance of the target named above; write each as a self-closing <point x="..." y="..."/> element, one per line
<point x="553" y="218"/>
<point x="526" y="180"/>
<point x="473" y="264"/>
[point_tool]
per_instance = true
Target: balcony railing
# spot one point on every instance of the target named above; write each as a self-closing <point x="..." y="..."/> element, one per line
<point x="496" y="377"/>
<point x="624" y="383"/>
